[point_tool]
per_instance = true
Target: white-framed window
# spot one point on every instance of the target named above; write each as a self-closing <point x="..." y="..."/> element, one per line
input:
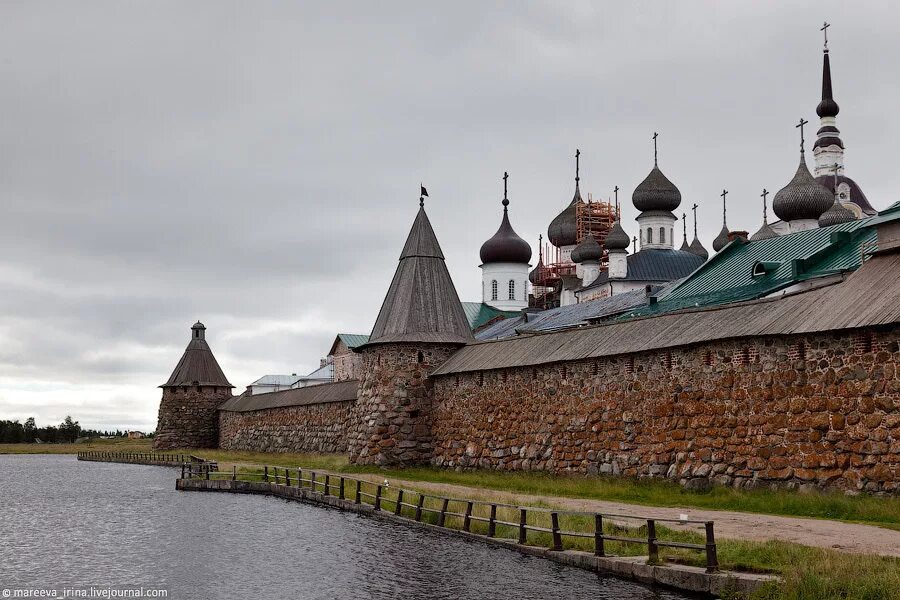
<point x="494" y="289"/>
<point x="512" y="289"/>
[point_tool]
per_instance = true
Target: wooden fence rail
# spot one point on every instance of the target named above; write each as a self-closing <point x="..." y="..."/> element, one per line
<point x="159" y="457"/>
<point x="466" y="512"/>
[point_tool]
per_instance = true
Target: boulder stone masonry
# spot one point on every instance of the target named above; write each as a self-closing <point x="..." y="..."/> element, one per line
<point x="189" y="418"/>
<point x="794" y="411"/>
<point x="320" y="427"/>
<point x="391" y="422"/>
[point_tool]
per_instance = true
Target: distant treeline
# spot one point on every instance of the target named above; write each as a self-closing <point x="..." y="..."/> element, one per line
<point x="13" y="432"/>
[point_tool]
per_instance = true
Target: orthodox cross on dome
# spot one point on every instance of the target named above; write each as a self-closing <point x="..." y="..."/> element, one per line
<point x="505" y="199"/>
<point x="422" y="194"/>
<point x="634" y="241"/>
<point x="616" y="192"/>
<point x="655" y="135"/>
<point x="684" y="225"/>
<point x="824" y="30"/>
<point x="540" y="248"/>
<point x="723" y="194"/>
<point x="800" y="126"/>
<point x="694" y="208"/>
<point x="764" y="195"/>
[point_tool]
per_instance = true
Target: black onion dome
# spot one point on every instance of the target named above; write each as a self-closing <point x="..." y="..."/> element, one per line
<point x="588" y="250"/>
<point x="505" y="246"/>
<point x="617" y="239"/>
<point x="765" y="233"/>
<point x="698" y="249"/>
<point x="721" y="240"/>
<point x="802" y="198"/>
<point x="539" y="273"/>
<point x="563" y="230"/>
<point x="656" y="192"/>
<point x="836" y="215"/>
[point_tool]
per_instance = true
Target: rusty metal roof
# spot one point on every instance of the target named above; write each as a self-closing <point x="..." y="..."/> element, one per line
<point x="341" y="391"/>
<point x="421" y="304"/>
<point x="873" y="292"/>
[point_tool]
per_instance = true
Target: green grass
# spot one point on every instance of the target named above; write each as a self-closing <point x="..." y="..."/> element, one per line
<point x="116" y="445"/>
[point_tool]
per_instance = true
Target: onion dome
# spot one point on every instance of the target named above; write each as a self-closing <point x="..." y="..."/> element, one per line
<point x="656" y="192"/>
<point x="617" y="239"/>
<point x="765" y="232"/>
<point x="505" y="246"/>
<point x="563" y="230"/>
<point x="836" y="215"/>
<point x="698" y="249"/>
<point x="538" y="273"/>
<point x="721" y="240"/>
<point x="588" y="250"/>
<point x="803" y="197"/>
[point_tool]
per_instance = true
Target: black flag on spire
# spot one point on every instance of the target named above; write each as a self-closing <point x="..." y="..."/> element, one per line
<point x="424" y="193"/>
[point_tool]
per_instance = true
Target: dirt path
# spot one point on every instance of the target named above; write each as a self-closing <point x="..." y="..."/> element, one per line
<point x="847" y="537"/>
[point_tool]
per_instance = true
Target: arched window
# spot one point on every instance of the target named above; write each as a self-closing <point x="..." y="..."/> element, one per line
<point x="494" y="289"/>
<point x="512" y="289"/>
<point x="662" y="235"/>
<point x="649" y="235"/>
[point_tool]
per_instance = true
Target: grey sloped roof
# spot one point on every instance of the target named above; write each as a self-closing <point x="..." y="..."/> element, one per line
<point x="873" y="291"/>
<point x="655" y="264"/>
<point x="197" y="366"/>
<point x="277" y="380"/>
<point x="421" y="304"/>
<point x="341" y="391"/>
<point x="574" y="315"/>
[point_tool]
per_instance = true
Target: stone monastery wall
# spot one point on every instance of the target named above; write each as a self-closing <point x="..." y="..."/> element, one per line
<point x="321" y="427"/>
<point x="814" y="410"/>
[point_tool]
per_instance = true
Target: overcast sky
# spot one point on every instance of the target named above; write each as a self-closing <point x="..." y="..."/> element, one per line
<point x="256" y="165"/>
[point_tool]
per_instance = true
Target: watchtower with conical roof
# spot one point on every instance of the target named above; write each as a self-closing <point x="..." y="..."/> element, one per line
<point x="421" y="323"/>
<point x="188" y="412"/>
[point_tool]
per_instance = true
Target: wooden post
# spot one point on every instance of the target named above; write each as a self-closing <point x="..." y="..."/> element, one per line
<point x="327" y="483"/>
<point x="523" y="531"/>
<point x="182" y="471"/>
<point x="341" y="488"/>
<point x="378" y="498"/>
<point x="358" y="495"/>
<point x="266" y="473"/>
<point x="287" y="477"/>
<point x="207" y="472"/>
<point x="599" y="550"/>
<point x="554" y="525"/>
<point x="467" y="520"/>
<point x="419" y="506"/>
<point x="299" y="477"/>
<point x="443" y="516"/>
<point x="652" y="548"/>
<point x="712" y="559"/>
<point x="399" y="504"/>
<point x="234" y="472"/>
<point x="492" y="525"/>
<point x="312" y="481"/>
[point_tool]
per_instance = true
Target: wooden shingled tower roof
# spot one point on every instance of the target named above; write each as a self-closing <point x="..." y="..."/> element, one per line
<point x="421" y="304"/>
<point x="197" y="366"/>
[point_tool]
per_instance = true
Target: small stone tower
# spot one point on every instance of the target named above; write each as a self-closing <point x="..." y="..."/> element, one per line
<point x="188" y="412"/>
<point x="420" y="325"/>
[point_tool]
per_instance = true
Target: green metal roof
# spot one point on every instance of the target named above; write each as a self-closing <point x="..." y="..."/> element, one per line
<point x="729" y="275"/>
<point x="479" y="313"/>
<point x="352" y="340"/>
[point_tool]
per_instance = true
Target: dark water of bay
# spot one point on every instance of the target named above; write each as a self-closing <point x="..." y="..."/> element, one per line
<point x="65" y="523"/>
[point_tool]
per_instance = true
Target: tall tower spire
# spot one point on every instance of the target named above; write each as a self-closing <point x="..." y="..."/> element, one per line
<point x="828" y="148"/>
